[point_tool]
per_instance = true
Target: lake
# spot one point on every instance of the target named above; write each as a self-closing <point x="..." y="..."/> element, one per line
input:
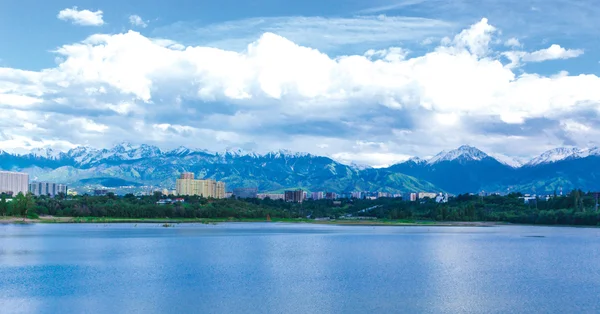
<point x="297" y="268"/>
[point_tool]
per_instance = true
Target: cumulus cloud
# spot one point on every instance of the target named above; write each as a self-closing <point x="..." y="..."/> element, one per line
<point x="377" y="107"/>
<point x="554" y="52"/>
<point x="81" y="17"/>
<point x="513" y="42"/>
<point x="136" y="20"/>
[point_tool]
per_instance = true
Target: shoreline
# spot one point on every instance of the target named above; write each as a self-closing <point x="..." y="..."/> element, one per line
<point x="70" y="220"/>
<point x="168" y="222"/>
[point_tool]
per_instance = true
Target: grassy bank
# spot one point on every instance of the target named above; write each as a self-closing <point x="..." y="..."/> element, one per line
<point x="378" y="222"/>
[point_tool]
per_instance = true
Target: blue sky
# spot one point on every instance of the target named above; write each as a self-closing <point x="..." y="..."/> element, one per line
<point x="420" y="56"/>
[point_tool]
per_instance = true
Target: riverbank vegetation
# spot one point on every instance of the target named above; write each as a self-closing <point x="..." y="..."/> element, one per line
<point x="576" y="208"/>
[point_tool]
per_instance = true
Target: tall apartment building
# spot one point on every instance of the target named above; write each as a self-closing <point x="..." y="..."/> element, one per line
<point x="14" y="183"/>
<point x="410" y="197"/>
<point x="331" y="195"/>
<point x="187" y="185"/>
<point x="187" y="175"/>
<point x="296" y="196"/>
<point x="47" y="188"/>
<point x="317" y="195"/>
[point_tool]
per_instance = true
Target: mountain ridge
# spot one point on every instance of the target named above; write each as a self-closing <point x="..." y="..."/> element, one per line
<point x="464" y="169"/>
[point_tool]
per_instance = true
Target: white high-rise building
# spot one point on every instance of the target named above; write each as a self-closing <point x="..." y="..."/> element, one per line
<point x="47" y="188"/>
<point x="14" y="182"/>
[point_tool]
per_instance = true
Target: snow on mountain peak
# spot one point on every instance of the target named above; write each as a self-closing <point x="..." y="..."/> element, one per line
<point x="45" y="152"/>
<point x="464" y="152"/>
<point x="563" y="153"/>
<point x="416" y="160"/>
<point x="506" y="160"/>
<point x="239" y="152"/>
<point x="554" y="155"/>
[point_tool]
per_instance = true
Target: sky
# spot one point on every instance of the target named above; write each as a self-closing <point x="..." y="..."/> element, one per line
<point x="369" y="82"/>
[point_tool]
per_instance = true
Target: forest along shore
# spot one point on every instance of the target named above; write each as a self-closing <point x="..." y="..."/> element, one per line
<point x="53" y="219"/>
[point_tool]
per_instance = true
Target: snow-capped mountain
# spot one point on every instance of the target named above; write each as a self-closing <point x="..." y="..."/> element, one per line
<point x="465" y="169"/>
<point x="562" y="153"/>
<point x="509" y="161"/>
<point x="284" y="153"/>
<point x="417" y="160"/>
<point x="463" y="153"/>
<point x="46" y="152"/>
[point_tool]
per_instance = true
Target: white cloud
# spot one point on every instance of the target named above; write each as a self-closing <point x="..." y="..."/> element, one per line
<point x="317" y="32"/>
<point x="81" y="17"/>
<point x="136" y="20"/>
<point x="554" y="52"/>
<point x="389" y="7"/>
<point x="513" y="43"/>
<point x="279" y="94"/>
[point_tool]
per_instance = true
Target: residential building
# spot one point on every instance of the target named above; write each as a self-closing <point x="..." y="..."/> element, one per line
<point x="330" y="195"/>
<point x="409" y="197"/>
<point x="245" y="192"/>
<point x="296" y="196"/>
<point x="187" y="175"/>
<point x="357" y="195"/>
<point x="423" y="195"/>
<point x="317" y="195"/>
<point x="442" y="198"/>
<point x="382" y="194"/>
<point x="47" y="189"/>
<point x="14" y="183"/>
<point x="187" y="185"/>
<point x="272" y="196"/>
<point x="100" y="192"/>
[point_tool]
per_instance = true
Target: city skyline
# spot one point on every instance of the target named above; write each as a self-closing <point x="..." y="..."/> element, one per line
<point x="367" y="83"/>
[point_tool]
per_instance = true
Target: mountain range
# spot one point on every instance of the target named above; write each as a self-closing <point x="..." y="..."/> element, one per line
<point x="462" y="170"/>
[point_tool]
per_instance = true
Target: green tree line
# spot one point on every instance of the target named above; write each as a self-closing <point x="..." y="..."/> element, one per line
<point x="576" y="208"/>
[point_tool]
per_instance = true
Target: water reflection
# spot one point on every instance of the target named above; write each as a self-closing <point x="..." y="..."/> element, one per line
<point x="278" y="268"/>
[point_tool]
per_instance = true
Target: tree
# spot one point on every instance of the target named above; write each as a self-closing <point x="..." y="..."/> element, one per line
<point x="3" y="205"/>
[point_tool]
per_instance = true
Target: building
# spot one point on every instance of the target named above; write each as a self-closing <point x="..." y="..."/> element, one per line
<point x="296" y="196"/>
<point x="245" y="192"/>
<point x="330" y="195"/>
<point x="409" y="197"/>
<point x="187" y="185"/>
<point x="13" y="183"/>
<point x="187" y="175"/>
<point x="357" y="195"/>
<point x="272" y="196"/>
<point x="423" y="195"/>
<point x="382" y="194"/>
<point x="100" y="192"/>
<point x="442" y="198"/>
<point x="317" y="195"/>
<point x="47" y="189"/>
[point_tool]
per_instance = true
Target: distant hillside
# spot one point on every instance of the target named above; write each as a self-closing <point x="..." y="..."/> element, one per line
<point x="463" y="170"/>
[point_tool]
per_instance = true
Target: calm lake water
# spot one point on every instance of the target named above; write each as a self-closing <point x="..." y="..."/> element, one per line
<point x="297" y="268"/>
